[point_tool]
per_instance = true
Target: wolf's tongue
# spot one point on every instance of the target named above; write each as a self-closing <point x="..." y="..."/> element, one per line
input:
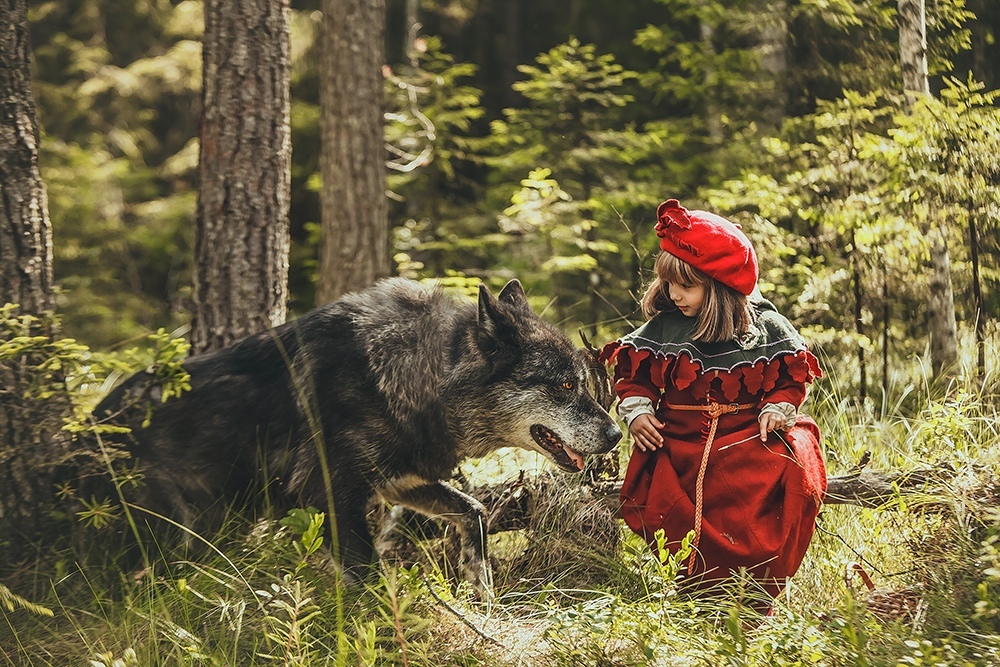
<point x="576" y="458"/>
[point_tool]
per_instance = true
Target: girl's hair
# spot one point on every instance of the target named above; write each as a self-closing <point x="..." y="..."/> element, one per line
<point x="725" y="313"/>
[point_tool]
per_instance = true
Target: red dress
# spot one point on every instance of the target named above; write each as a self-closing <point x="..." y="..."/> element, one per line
<point x="760" y="498"/>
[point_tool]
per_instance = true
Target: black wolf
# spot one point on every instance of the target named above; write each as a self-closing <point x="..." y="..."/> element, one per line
<point x="381" y="392"/>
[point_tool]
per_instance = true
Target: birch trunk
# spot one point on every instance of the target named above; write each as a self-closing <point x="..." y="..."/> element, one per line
<point x="913" y="48"/>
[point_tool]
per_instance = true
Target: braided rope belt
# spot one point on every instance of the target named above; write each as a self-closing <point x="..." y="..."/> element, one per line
<point x="713" y="411"/>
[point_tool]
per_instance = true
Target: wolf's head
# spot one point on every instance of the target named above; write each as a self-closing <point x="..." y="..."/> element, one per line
<point x="535" y="393"/>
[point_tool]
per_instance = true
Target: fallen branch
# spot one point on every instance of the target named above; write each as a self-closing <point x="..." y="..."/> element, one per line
<point x="510" y="505"/>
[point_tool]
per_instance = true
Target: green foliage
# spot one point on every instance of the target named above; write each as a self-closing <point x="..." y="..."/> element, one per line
<point x="988" y="590"/>
<point x="117" y="85"/>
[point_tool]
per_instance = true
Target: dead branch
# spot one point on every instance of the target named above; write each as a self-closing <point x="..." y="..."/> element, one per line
<point x="513" y="505"/>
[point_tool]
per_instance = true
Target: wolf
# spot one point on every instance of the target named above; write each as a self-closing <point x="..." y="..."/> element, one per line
<point x="380" y="393"/>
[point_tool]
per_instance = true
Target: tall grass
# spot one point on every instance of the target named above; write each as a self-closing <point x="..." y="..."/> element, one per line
<point x="576" y="589"/>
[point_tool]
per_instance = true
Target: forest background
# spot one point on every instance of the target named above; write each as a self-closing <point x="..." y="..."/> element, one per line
<point x="534" y="140"/>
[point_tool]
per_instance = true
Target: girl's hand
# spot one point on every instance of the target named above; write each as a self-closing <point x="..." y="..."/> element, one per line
<point x="645" y="432"/>
<point x="770" y="421"/>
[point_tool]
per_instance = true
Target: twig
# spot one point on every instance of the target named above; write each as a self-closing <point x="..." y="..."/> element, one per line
<point x="458" y="614"/>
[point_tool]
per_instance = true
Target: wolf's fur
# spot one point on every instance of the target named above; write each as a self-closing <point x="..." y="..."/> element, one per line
<point x="386" y="390"/>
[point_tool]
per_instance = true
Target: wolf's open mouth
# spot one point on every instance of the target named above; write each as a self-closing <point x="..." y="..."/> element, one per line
<point x="564" y="457"/>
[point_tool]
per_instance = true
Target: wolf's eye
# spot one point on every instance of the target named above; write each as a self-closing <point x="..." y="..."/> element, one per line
<point x="569" y="385"/>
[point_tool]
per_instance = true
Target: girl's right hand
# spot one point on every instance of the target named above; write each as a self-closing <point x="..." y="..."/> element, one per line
<point x="645" y="430"/>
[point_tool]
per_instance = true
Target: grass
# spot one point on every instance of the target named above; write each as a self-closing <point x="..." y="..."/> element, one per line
<point x="576" y="589"/>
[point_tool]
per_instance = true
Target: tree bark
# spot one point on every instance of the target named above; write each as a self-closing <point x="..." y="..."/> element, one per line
<point x="241" y="231"/>
<point x="913" y="48"/>
<point x="886" y="312"/>
<point x="943" y="329"/>
<point x="354" y="242"/>
<point x="977" y="293"/>
<point x="27" y="424"/>
<point x="913" y="62"/>
<point x="774" y="60"/>
<point x="859" y="319"/>
<point x="25" y="230"/>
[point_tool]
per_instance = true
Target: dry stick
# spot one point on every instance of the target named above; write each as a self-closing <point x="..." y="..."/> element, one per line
<point x="458" y="614"/>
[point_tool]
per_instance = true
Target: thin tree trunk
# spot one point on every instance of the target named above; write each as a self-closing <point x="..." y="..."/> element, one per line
<point x="913" y="62"/>
<point x="913" y="48"/>
<point x="354" y="243"/>
<point x="858" y="320"/>
<point x="410" y="29"/>
<point x="977" y="294"/>
<point x="885" y="331"/>
<point x="943" y="330"/>
<point x="774" y="59"/>
<point x="512" y="47"/>
<point x="241" y="231"/>
<point x="713" y="122"/>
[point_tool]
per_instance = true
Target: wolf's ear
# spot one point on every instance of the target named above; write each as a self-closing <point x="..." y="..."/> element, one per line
<point x="496" y="326"/>
<point x="513" y="295"/>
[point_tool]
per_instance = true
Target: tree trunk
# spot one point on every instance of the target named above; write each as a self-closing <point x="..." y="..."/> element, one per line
<point x="886" y="312"/>
<point x="774" y="60"/>
<point x="511" y="55"/>
<point x="27" y="424"/>
<point x="859" y="325"/>
<point x="713" y="119"/>
<point x="913" y="62"/>
<point x="913" y="48"/>
<point x="943" y="330"/>
<point x="241" y="232"/>
<point x="25" y="230"/>
<point x="354" y="242"/>
<point x="977" y="293"/>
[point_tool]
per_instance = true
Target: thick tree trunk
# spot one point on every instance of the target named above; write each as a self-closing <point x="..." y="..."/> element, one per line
<point x="241" y="232"/>
<point x="354" y="243"/>
<point x="25" y="231"/>
<point x="26" y="426"/>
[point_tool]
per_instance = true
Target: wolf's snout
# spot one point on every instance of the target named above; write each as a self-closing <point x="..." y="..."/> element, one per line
<point x="612" y="434"/>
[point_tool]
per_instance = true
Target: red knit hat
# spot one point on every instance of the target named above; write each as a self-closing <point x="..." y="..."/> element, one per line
<point x="709" y="243"/>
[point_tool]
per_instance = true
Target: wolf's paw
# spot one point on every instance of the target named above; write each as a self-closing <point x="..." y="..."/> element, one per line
<point x="479" y="573"/>
<point x="389" y="542"/>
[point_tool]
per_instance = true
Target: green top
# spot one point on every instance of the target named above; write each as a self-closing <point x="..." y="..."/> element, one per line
<point x="668" y="334"/>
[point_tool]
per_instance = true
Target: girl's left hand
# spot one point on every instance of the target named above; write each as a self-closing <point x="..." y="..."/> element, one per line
<point x="770" y="421"/>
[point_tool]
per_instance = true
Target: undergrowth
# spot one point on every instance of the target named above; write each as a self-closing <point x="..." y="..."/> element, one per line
<point x="574" y="588"/>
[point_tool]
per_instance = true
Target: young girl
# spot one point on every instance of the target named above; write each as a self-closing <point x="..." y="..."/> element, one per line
<point x="710" y="389"/>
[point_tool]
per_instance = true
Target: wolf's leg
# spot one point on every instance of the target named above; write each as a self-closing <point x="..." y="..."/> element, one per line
<point x="467" y="514"/>
<point x="354" y="541"/>
<point x="388" y="540"/>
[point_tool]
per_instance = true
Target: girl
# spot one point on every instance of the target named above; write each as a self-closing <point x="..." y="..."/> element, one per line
<point x="710" y="389"/>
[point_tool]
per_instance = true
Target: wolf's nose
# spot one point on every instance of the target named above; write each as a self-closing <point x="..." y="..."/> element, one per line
<point x="613" y="434"/>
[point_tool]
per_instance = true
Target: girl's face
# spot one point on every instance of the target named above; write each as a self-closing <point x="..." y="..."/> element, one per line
<point x="687" y="297"/>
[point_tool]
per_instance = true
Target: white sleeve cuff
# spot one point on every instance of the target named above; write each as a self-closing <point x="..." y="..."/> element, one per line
<point x="785" y="410"/>
<point x="631" y="407"/>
